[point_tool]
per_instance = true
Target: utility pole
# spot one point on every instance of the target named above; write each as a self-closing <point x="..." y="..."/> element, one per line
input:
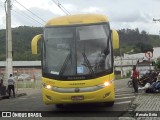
<point x="121" y="64"/>
<point x="9" y="68"/>
<point x="157" y="20"/>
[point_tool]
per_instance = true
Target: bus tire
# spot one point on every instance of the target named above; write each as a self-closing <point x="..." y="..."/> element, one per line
<point x="59" y="106"/>
<point x="109" y="104"/>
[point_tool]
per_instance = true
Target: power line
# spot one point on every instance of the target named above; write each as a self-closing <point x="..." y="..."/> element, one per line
<point x="27" y="16"/>
<point x="61" y="7"/>
<point x="30" y="11"/>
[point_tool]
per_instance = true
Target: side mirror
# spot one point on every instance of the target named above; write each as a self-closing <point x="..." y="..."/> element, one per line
<point x="115" y="39"/>
<point x="34" y="43"/>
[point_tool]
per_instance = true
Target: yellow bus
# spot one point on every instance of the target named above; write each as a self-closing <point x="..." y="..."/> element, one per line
<point x="77" y="60"/>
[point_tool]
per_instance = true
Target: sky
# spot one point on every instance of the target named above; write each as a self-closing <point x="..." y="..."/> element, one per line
<point x="122" y="14"/>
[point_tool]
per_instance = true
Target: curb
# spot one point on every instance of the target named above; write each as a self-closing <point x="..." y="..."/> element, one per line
<point x="126" y="118"/>
<point x="18" y="95"/>
<point x="21" y="94"/>
<point x="129" y="115"/>
<point x="4" y="97"/>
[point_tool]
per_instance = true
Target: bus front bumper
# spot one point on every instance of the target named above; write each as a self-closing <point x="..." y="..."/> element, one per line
<point x="103" y="95"/>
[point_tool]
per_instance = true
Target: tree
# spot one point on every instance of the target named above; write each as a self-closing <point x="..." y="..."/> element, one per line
<point x="22" y="37"/>
<point x="144" y="47"/>
<point x="158" y="63"/>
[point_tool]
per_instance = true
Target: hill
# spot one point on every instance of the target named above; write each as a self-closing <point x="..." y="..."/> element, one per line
<point x="21" y="37"/>
<point x="131" y="41"/>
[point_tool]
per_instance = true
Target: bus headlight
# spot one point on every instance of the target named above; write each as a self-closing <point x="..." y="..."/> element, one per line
<point x="49" y="87"/>
<point x="106" y="84"/>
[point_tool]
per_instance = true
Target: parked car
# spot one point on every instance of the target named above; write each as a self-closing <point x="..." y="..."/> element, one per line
<point x="24" y="77"/>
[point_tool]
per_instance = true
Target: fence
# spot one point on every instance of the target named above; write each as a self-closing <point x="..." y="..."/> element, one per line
<point x="24" y="77"/>
<point x="28" y="83"/>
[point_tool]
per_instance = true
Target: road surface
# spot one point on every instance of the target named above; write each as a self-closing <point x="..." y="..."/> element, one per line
<point x="124" y="97"/>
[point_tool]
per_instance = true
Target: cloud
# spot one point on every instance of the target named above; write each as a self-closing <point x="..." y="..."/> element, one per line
<point x="92" y="10"/>
<point x="122" y="14"/>
<point x="157" y="0"/>
<point x="2" y="22"/>
<point x="135" y="16"/>
<point x="71" y="8"/>
<point x="2" y="17"/>
<point x="23" y="17"/>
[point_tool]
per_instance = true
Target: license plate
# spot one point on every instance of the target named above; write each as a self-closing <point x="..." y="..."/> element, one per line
<point x="75" y="98"/>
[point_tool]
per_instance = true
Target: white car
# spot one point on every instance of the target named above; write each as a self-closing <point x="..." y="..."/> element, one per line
<point x="24" y="77"/>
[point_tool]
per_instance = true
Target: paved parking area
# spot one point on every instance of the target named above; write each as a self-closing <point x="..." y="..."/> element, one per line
<point x="27" y="91"/>
<point x="150" y="104"/>
<point x="144" y="107"/>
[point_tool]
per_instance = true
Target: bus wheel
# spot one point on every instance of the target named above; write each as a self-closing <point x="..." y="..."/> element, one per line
<point x="109" y="104"/>
<point x="59" y="106"/>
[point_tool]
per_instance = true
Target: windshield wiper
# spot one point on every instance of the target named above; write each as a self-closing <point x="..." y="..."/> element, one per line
<point x="63" y="68"/>
<point x="106" y="51"/>
<point x="88" y="63"/>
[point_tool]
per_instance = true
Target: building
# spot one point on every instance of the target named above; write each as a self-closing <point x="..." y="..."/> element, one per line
<point x="125" y="63"/>
<point x="32" y="68"/>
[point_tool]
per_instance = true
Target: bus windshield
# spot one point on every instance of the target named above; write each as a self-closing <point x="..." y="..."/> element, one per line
<point x="77" y="50"/>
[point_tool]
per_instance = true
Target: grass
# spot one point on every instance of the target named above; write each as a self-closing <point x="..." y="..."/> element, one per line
<point x="117" y="77"/>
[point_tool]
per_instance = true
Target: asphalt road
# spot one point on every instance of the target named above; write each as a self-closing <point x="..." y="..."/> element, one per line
<point x="124" y="97"/>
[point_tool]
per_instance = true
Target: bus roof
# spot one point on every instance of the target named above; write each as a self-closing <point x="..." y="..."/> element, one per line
<point x="77" y="19"/>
